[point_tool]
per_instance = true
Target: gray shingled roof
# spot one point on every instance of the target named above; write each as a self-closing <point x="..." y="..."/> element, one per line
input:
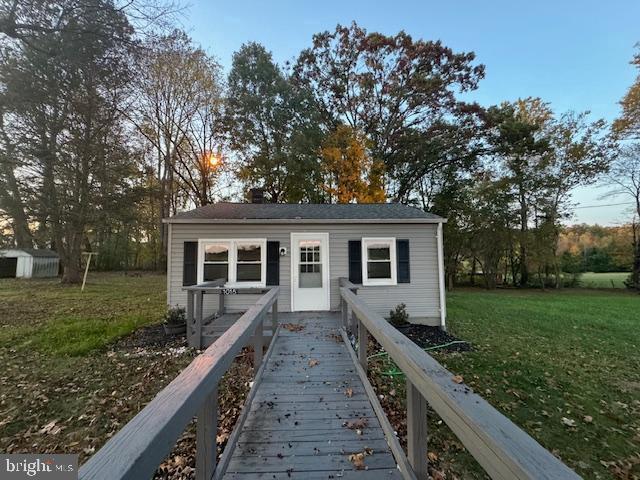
<point x="314" y="212"/>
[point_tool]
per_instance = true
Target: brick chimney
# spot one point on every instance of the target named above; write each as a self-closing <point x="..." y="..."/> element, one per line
<point x="256" y="195"/>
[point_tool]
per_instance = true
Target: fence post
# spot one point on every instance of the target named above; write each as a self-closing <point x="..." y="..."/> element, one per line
<point x="416" y="430"/>
<point x="190" y="318"/>
<point x="363" y="343"/>
<point x="198" y="323"/>
<point x="257" y="345"/>
<point x="274" y="318"/>
<point x="345" y="312"/>
<point x="207" y="429"/>
<point x="220" y="302"/>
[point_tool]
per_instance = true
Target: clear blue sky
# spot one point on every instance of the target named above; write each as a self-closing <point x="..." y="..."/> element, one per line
<point x="573" y="54"/>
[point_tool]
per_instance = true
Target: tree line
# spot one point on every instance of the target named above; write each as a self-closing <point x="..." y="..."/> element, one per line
<point x="107" y="126"/>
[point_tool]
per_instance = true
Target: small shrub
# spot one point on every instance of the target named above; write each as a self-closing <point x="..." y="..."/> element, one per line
<point x="175" y="316"/>
<point x="399" y="316"/>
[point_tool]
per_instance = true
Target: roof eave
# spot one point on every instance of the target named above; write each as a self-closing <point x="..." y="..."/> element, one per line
<point x="284" y="221"/>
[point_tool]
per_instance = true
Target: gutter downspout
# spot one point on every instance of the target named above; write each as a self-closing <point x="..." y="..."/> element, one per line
<point x="169" y="234"/>
<point x="441" y="283"/>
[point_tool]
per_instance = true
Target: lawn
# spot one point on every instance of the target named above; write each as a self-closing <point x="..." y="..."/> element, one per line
<point x="565" y="366"/>
<point x="73" y="373"/>
<point x="603" y="280"/>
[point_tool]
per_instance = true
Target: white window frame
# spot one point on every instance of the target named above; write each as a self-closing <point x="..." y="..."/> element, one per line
<point x="391" y="241"/>
<point x="233" y="260"/>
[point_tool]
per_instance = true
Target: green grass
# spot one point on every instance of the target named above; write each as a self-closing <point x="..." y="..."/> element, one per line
<point x="60" y="364"/>
<point x="541" y="356"/>
<point x="603" y="280"/>
<point x="61" y="320"/>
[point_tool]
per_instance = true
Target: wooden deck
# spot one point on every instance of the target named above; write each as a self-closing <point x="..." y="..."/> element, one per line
<point x="298" y="422"/>
<point x="311" y="407"/>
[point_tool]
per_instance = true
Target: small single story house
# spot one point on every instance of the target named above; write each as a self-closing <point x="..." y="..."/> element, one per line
<point x="393" y="252"/>
<point x="28" y="263"/>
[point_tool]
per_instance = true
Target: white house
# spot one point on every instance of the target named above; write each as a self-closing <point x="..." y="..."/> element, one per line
<point x="393" y="252"/>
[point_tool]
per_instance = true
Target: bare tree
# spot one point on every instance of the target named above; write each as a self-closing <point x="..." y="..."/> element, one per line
<point x="178" y="99"/>
<point x="624" y="180"/>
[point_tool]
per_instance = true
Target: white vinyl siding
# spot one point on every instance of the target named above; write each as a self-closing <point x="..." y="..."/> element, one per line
<point x="421" y="296"/>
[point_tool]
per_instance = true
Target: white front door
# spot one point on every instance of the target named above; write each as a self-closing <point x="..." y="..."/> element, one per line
<point x="309" y="271"/>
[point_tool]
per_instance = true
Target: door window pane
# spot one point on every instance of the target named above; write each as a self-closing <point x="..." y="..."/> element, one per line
<point x="310" y="268"/>
<point x="310" y="276"/>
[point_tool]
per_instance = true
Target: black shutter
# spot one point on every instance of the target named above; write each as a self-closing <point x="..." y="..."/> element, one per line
<point x="402" y="258"/>
<point x="190" y="264"/>
<point x="355" y="261"/>
<point x="273" y="263"/>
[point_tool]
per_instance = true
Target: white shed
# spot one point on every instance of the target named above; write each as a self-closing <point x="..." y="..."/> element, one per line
<point x="28" y="263"/>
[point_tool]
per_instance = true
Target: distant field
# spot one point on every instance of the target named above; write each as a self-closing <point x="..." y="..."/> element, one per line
<point x="603" y="280"/>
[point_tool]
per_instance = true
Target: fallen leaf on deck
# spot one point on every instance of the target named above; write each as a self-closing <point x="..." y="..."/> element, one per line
<point x="313" y="362"/>
<point x="358" y="458"/>
<point x="457" y="379"/>
<point x="357" y="424"/>
<point x="293" y="327"/>
<point x="349" y="392"/>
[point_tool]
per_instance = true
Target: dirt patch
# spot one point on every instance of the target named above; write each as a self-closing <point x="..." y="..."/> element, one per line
<point x="427" y="337"/>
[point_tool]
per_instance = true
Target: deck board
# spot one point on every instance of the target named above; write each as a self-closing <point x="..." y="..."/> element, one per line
<point x="296" y="426"/>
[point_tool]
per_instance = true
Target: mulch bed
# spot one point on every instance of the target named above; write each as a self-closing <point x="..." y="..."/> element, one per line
<point x="425" y="336"/>
<point x="152" y="336"/>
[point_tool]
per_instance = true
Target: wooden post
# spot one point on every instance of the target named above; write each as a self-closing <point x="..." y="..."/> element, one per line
<point x="207" y="429"/>
<point x="190" y="318"/>
<point x="363" y="343"/>
<point x="416" y="430"/>
<point x="198" y="323"/>
<point x="86" y="269"/>
<point x="345" y="312"/>
<point x="257" y="345"/>
<point x="274" y="318"/>
<point x="221" y="303"/>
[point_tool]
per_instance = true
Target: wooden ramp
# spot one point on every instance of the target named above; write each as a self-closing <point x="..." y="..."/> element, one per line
<point x="310" y="411"/>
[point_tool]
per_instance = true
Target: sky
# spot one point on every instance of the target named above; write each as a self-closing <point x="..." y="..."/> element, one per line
<point x="573" y="54"/>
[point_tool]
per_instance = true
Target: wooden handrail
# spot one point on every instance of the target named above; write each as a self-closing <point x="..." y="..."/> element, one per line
<point x="138" y="448"/>
<point x="195" y="304"/>
<point x="503" y="449"/>
<point x="218" y="282"/>
<point x="345" y="282"/>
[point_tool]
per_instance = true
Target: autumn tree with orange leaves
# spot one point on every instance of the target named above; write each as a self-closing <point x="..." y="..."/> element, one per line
<point x="351" y="175"/>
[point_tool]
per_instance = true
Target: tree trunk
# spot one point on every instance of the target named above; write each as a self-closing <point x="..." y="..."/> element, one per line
<point x="72" y="274"/>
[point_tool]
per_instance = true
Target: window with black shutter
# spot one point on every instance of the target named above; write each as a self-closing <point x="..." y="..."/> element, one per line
<point x="355" y="261"/>
<point x="190" y="264"/>
<point x="402" y="255"/>
<point x="273" y="263"/>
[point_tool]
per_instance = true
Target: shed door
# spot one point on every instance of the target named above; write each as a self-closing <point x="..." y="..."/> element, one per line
<point x="309" y="271"/>
<point x="8" y="267"/>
